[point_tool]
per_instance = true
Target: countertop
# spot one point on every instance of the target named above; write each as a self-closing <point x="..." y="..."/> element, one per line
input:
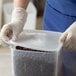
<point x="5" y="62"/>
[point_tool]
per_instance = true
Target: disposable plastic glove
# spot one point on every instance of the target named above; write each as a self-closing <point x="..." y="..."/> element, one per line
<point x="68" y="38"/>
<point x="15" y="27"/>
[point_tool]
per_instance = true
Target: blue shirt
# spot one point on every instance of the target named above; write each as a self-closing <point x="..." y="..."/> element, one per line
<point x="59" y="14"/>
<point x="67" y="7"/>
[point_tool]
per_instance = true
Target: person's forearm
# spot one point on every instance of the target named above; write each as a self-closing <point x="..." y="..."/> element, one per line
<point x="21" y="3"/>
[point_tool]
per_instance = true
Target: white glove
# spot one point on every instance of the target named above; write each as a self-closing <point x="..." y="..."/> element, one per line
<point x="68" y="38"/>
<point x="15" y="27"/>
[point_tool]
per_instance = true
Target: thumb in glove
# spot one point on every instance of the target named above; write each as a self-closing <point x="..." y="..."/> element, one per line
<point x="68" y="38"/>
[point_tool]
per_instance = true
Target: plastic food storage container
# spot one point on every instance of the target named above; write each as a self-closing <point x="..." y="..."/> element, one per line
<point x="37" y="53"/>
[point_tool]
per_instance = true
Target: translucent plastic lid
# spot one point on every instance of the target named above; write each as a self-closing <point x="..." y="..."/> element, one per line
<point x="39" y="40"/>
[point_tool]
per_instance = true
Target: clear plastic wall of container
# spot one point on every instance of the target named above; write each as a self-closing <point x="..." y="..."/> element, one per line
<point x="37" y="53"/>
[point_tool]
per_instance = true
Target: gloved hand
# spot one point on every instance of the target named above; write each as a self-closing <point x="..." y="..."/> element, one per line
<point x="68" y="38"/>
<point x="15" y="27"/>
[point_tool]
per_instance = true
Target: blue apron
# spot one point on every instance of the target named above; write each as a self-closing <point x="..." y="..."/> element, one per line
<point x="58" y="20"/>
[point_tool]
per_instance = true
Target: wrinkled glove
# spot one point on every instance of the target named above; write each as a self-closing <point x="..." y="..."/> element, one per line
<point x="15" y="27"/>
<point x="68" y="38"/>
